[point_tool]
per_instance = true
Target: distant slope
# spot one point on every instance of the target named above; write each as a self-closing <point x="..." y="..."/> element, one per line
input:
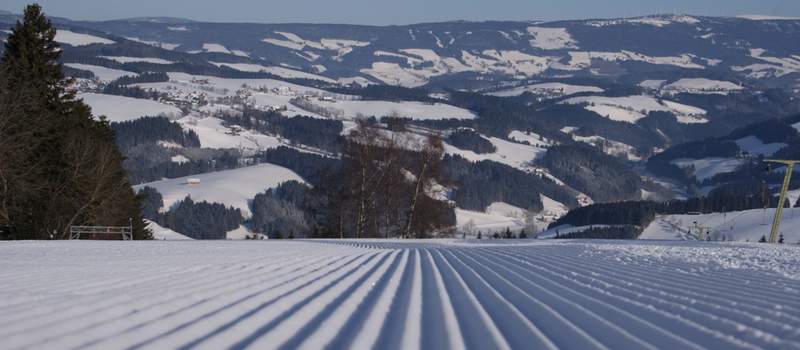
<point x="230" y="187"/>
<point x="747" y="225"/>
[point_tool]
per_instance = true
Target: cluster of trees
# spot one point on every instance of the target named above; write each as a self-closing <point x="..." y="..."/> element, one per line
<point x="59" y="166"/>
<point x="314" y="168"/>
<point x="732" y="197"/>
<point x="151" y="130"/>
<point x="282" y="211"/>
<point x="387" y="187"/>
<point x="152" y="162"/>
<point x="635" y="213"/>
<point x="468" y="139"/>
<point x="480" y="184"/>
<point x="320" y="133"/>
<point x="201" y="220"/>
<point x="602" y="177"/>
<point x="603" y="232"/>
<point x="146" y="159"/>
<point x="122" y="86"/>
<point x="388" y="93"/>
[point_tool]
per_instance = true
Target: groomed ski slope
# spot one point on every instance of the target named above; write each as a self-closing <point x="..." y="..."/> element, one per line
<point x="398" y="295"/>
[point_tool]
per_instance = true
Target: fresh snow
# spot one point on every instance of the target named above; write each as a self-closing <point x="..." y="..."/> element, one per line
<point x="709" y="167"/>
<point x="213" y="134"/>
<point x="531" y="138"/>
<point x="773" y="66"/>
<point x="121" y="108"/>
<point x="656" y="21"/>
<point x="632" y="108"/>
<point x="126" y="59"/>
<point x="510" y="153"/>
<point x="79" y="39"/>
<point x="555" y="89"/>
<point x="702" y="86"/>
<point x="583" y="59"/>
<point x="103" y="74"/>
<point x="370" y="294"/>
<point x="164" y="234"/>
<point x="551" y="38"/>
<point x="278" y="71"/>
<point x="407" y="109"/>
<point x="165" y="46"/>
<point x="295" y="42"/>
<point x="610" y="147"/>
<point x="768" y="18"/>
<point x="732" y="226"/>
<point x="217" y="187"/>
<point x="652" y="84"/>
<point x="754" y="146"/>
<point x="180" y="159"/>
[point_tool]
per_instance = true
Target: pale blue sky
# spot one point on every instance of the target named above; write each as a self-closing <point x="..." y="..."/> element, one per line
<point x="383" y="12"/>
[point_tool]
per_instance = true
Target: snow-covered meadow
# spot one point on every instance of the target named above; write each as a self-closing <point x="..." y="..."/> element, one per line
<point x="398" y="295"/>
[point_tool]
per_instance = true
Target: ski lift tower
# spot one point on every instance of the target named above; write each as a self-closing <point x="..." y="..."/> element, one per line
<point x="776" y="224"/>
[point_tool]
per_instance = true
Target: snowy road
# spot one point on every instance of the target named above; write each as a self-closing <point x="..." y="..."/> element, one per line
<point x="387" y="295"/>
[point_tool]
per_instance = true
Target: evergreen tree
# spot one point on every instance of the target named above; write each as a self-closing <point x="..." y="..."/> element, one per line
<point x="780" y="239"/>
<point x="58" y="165"/>
<point x="763" y="239"/>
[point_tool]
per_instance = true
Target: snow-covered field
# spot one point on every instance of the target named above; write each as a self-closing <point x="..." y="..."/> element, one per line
<point x="79" y="39"/>
<point x="102" y="73"/>
<point x="555" y="89"/>
<point x="632" y="108"/>
<point x="732" y="226"/>
<point x="230" y="187"/>
<point x="398" y="295"/>
<point x="121" y="108"/>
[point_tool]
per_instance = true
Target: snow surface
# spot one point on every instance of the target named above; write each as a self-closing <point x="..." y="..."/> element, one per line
<point x="264" y="94"/>
<point x="551" y="38"/>
<point x="295" y="42"/>
<point x="79" y="39"/>
<point x="510" y="153"/>
<point x="120" y="108"/>
<point x="583" y="59"/>
<point x="702" y="86"/>
<point x="219" y="48"/>
<point x="733" y="226"/>
<point x="104" y="74"/>
<point x="164" y="234"/>
<point x="707" y="168"/>
<point x="213" y="134"/>
<point x="500" y="216"/>
<point x="773" y="66"/>
<point x="754" y="146"/>
<point x="230" y="187"/>
<point x="126" y="59"/>
<point x="558" y="89"/>
<point x="768" y="18"/>
<point x="406" y="109"/>
<point x="165" y="46"/>
<point x="489" y="294"/>
<point x="652" y="84"/>
<point x="531" y="138"/>
<point x="278" y="71"/>
<point x="632" y="108"/>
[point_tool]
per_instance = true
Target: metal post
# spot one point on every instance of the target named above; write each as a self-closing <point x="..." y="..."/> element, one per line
<point x="776" y="223"/>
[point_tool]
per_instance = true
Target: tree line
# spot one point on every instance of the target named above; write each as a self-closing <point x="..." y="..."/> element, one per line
<point x="59" y="166"/>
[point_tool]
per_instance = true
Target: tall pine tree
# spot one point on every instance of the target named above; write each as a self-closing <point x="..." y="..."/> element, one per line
<point x="58" y="165"/>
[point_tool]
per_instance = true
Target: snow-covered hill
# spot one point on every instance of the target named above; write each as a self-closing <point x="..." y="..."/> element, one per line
<point x="748" y="225"/>
<point x="399" y="295"/>
<point x="231" y="187"/>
